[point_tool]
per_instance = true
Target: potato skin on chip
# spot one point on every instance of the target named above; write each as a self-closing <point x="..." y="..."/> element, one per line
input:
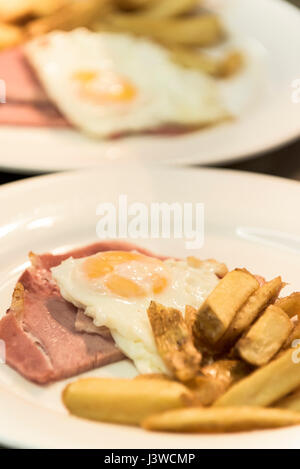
<point x="227" y="420"/>
<point x="123" y="401"/>
<point x="174" y="342"/>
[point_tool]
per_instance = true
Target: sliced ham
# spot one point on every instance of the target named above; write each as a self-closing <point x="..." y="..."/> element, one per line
<point x="42" y="340"/>
<point x="26" y="101"/>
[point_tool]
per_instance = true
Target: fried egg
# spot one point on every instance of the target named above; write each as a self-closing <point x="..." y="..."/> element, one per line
<point x="115" y="289"/>
<point x="107" y="84"/>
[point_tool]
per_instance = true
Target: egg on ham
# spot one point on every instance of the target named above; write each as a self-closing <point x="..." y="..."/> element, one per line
<point x="115" y="288"/>
<point x="107" y="84"/>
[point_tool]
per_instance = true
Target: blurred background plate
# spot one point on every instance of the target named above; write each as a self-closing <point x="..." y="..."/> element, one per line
<point x="270" y="31"/>
<point x="249" y="222"/>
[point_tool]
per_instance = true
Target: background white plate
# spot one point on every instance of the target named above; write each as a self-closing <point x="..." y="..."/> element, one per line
<point x="250" y="221"/>
<point x="269" y="30"/>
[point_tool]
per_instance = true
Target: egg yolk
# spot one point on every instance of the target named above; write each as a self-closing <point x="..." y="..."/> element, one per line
<point x="104" y="87"/>
<point x="142" y="273"/>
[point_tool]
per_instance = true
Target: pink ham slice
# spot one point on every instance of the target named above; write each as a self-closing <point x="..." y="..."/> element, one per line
<point x="39" y="330"/>
<point x="26" y="101"/>
<point x="28" y="104"/>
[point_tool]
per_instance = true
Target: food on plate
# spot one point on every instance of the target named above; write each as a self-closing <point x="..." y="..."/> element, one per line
<point x="123" y="400"/>
<point x="10" y="36"/>
<point x="292" y="402"/>
<point x="266" y="385"/>
<point x="73" y="15"/>
<point x="290" y="304"/>
<point x="107" y="93"/>
<point x="266" y="337"/>
<point x="196" y="31"/>
<point x="174" y="342"/>
<point x="258" y="302"/>
<point x="39" y="329"/>
<point x="220" y="308"/>
<point x="91" y="60"/>
<point x="96" y="305"/>
<point x="115" y="290"/>
<point x="213" y="420"/>
<point x="215" y="379"/>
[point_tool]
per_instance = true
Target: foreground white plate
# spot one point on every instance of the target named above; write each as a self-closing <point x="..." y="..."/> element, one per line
<point x="250" y="221"/>
<point x="269" y="31"/>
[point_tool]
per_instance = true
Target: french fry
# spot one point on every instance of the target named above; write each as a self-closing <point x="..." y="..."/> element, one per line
<point x="12" y="10"/>
<point x="222" y="305"/>
<point x="202" y="30"/>
<point x="266" y="337"/>
<point x="10" y="36"/>
<point x="135" y="4"/>
<point x="220" y="269"/>
<point x="154" y="376"/>
<point x="169" y="8"/>
<point x="192" y="58"/>
<point x="291" y="402"/>
<point x="295" y="335"/>
<point x="257" y="302"/>
<point x="213" y="420"/>
<point x="174" y="342"/>
<point x="290" y="304"/>
<point x="266" y="385"/>
<point x="71" y="16"/>
<point x="216" y="379"/>
<point x="123" y="401"/>
<point x="47" y="7"/>
<point x="227" y="371"/>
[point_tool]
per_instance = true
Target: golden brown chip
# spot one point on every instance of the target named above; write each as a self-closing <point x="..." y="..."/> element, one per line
<point x="212" y="420"/>
<point x="222" y="305"/>
<point x="10" y="36"/>
<point x="122" y="401"/>
<point x="266" y="385"/>
<point x="71" y="16"/>
<point x="198" y="31"/>
<point x="266" y="337"/>
<point x="258" y="301"/>
<point x="290" y="304"/>
<point x="174" y="342"/>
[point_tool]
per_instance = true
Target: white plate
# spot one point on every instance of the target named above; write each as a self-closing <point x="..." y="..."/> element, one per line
<point x="269" y="30"/>
<point x="250" y="221"/>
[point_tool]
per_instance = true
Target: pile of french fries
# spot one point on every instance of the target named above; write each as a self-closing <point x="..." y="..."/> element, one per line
<point x="182" y="26"/>
<point x="232" y="365"/>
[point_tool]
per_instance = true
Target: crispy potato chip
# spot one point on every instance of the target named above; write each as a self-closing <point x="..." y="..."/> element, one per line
<point x="294" y="336"/>
<point x="216" y="379"/>
<point x="169" y="8"/>
<point x="122" y="400"/>
<point x="266" y="385"/>
<point x="266" y="337"/>
<point x="213" y="420"/>
<point x="12" y="10"/>
<point x="291" y="402"/>
<point x="10" y="36"/>
<point x="290" y="304"/>
<point x="174" y="342"/>
<point x="222" y="305"/>
<point x="192" y="58"/>
<point x="73" y="15"/>
<point x="200" y="31"/>
<point x="245" y="317"/>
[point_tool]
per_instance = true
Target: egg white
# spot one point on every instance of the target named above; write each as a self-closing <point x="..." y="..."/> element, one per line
<point x="127" y="318"/>
<point x="166" y="92"/>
